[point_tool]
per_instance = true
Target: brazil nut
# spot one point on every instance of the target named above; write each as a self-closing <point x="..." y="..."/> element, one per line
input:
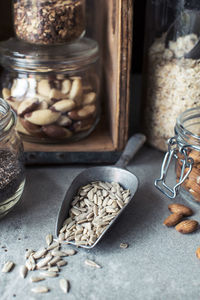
<point x="43" y="87"/>
<point x="56" y="94"/>
<point x="27" y="106"/>
<point x="64" y="105"/>
<point x="89" y="98"/>
<point x="42" y="117"/>
<point x="82" y="113"/>
<point x="56" y="131"/>
<point x="31" y="128"/>
<point x="6" y="93"/>
<point x="64" y="121"/>
<point x="66" y="86"/>
<point x="83" y="125"/>
<point x="76" y="91"/>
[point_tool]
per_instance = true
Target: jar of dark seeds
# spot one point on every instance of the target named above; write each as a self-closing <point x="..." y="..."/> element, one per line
<point x="12" y="175"/>
<point x="54" y="91"/>
<point x="49" y="22"/>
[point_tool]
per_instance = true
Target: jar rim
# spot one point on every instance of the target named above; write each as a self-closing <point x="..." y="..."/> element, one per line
<point x="7" y="118"/>
<point x="182" y="131"/>
<point x="19" y="55"/>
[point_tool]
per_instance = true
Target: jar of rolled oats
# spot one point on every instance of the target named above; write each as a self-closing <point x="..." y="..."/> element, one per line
<point x="49" y="22"/>
<point x="171" y="73"/>
<point x="184" y="148"/>
<point x="54" y="92"/>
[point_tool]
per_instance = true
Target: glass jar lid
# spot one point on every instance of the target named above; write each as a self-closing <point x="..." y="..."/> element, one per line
<point x="21" y="56"/>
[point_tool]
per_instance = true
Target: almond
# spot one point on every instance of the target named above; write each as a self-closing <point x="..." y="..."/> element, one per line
<point x="187" y="226"/>
<point x="198" y="253"/>
<point x="173" y="219"/>
<point x="180" y="209"/>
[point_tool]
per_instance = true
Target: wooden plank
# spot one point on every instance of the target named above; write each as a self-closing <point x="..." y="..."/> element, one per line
<point x="99" y="141"/>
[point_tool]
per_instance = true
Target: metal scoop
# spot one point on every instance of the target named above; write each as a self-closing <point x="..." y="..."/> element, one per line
<point x="116" y="173"/>
<point x="188" y="22"/>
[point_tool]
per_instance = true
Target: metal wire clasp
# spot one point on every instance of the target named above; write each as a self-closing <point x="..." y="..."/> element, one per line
<point x="187" y="162"/>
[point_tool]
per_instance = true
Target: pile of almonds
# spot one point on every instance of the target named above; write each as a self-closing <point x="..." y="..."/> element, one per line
<point x="192" y="182"/>
<point x="179" y="212"/>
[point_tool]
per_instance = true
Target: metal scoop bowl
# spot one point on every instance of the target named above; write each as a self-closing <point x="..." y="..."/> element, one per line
<point x="116" y="173"/>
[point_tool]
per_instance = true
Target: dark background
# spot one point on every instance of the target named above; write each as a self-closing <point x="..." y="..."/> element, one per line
<point x="138" y="34"/>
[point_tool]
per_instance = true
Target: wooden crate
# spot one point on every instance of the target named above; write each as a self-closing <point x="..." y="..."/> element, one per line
<point x="109" y="22"/>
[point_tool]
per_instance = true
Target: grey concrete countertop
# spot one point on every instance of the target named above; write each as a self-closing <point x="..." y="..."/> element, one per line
<point x="160" y="263"/>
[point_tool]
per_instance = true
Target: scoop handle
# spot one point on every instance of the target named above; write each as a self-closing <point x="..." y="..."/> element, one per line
<point x="132" y="147"/>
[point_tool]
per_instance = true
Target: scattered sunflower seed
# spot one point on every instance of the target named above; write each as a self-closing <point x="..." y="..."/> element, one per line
<point x="92" y="264"/>
<point x="37" y="278"/>
<point x="53" y="269"/>
<point x="40" y="289"/>
<point x="49" y="239"/>
<point x="64" y="285"/>
<point x="49" y="274"/>
<point x="61" y="263"/>
<point x="124" y="245"/>
<point x="38" y="254"/>
<point x="23" y="271"/>
<point x="44" y="261"/>
<point x="7" y="267"/>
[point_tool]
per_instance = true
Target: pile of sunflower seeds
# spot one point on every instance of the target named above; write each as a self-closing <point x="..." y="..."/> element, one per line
<point x="92" y="210"/>
<point x="46" y="263"/>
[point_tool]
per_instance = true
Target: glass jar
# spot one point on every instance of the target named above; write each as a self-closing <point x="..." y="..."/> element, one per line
<point x="49" y="22"/>
<point x="185" y="148"/>
<point x="54" y="92"/>
<point x="12" y="175"/>
<point x="171" y="71"/>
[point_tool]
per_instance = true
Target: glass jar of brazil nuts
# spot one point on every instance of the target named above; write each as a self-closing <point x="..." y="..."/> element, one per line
<point x="54" y="91"/>
<point x="184" y="147"/>
<point x="49" y="22"/>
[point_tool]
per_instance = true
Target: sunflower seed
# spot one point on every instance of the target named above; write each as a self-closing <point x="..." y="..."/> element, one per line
<point x="23" y="271"/>
<point x="30" y="263"/>
<point x="64" y="285"/>
<point x="70" y="252"/>
<point x="61" y="263"/>
<point x="38" y="254"/>
<point x="28" y="253"/>
<point x="54" y="261"/>
<point x="92" y="264"/>
<point x="52" y="246"/>
<point x="49" y="239"/>
<point x="124" y="245"/>
<point x="40" y="289"/>
<point x="44" y="261"/>
<point x="37" y="278"/>
<point x="49" y="274"/>
<point x="58" y="253"/>
<point x="53" y="269"/>
<point x="7" y="267"/>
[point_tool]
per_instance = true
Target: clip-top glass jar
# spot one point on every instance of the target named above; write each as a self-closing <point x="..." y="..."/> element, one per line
<point x="12" y="175"/>
<point x="54" y="91"/>
<point x="172" y="65"/>
<point x="185" y="148"/>
<point x="49" y="22"/>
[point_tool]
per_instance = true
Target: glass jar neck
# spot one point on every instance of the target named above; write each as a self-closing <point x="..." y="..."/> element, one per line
<point x="7" y="119"/>
<point x="187" y="127"/>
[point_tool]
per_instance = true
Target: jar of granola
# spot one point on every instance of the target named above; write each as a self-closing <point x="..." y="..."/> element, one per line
<point x="184" y="147"/>
<point x="171" y="75"/>
<point x="54" y="91"/>
<point x="49" y="21"/>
